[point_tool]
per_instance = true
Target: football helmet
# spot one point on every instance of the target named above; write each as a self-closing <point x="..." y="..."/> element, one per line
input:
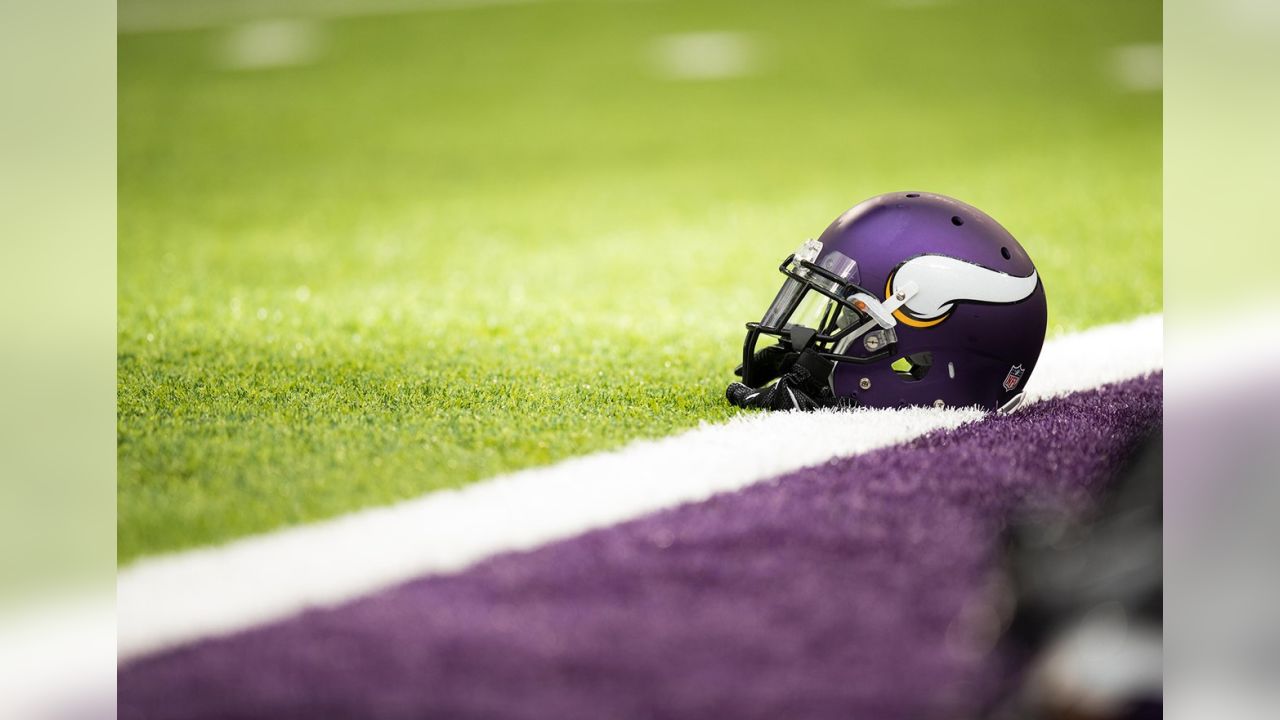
<point x="909" y="298"/>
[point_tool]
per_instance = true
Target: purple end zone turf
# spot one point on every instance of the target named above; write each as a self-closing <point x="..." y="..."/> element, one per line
<point x="857" y="589"/>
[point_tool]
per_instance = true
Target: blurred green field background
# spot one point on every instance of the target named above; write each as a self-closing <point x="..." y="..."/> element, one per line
<point x="435" y="246"/>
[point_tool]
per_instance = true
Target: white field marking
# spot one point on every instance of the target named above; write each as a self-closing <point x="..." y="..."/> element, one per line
<point x="1139" y="68"/>
<point x="1213" y="355"/>
<point x="1098" y="356"/>
<point x="143" y="16"/>
<point x="704" y="55"/>
<point x="55" y="656"/>
<point x="271" y="43"/>
<point x="168" y="600"/>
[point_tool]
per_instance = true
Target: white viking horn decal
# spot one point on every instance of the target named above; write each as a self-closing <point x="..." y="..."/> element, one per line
<point x="944" y="280"/>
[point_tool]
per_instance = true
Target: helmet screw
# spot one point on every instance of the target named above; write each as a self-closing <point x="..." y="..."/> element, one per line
<point x="872" y="342"/>
<point x="938" y="403"/>
<point x="865" y="383"/>
<point x="901" y="296"/>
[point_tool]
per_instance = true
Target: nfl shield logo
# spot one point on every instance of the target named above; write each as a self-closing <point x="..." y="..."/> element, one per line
<point x="1013" y="378"/>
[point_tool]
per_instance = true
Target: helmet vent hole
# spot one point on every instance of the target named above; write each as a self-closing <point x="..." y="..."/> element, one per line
<point x="1004" y="253"/>
<point x="913" y="195"/>
<point x="957" y="220"/>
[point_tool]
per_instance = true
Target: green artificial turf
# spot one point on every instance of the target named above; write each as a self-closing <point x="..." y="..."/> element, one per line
<point x="464" y="242"/>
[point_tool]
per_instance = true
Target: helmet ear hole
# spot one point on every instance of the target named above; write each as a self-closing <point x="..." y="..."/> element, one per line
<point x="913" y="367"/>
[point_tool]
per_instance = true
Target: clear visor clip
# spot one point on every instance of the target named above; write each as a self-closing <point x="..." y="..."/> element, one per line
<point x="882" y="312"/>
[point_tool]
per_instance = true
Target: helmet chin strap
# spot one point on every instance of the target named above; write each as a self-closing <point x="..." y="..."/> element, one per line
<point x="806" y="385"/>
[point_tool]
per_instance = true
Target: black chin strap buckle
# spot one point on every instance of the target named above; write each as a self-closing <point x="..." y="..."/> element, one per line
<point x="800" y="337"/>
<point x="806" y="385"/>
<point x="812" y="373"/>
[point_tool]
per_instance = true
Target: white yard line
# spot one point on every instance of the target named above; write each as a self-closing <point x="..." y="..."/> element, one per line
<point x="1098" y="356"/>
<point x="55" y="656"/>
<point x="168" y="600"/>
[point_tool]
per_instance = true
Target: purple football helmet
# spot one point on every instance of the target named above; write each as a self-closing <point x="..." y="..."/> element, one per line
<point x="909" y="298"/>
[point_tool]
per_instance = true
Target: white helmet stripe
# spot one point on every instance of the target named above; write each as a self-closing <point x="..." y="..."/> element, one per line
<point x="944" y="280"/>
